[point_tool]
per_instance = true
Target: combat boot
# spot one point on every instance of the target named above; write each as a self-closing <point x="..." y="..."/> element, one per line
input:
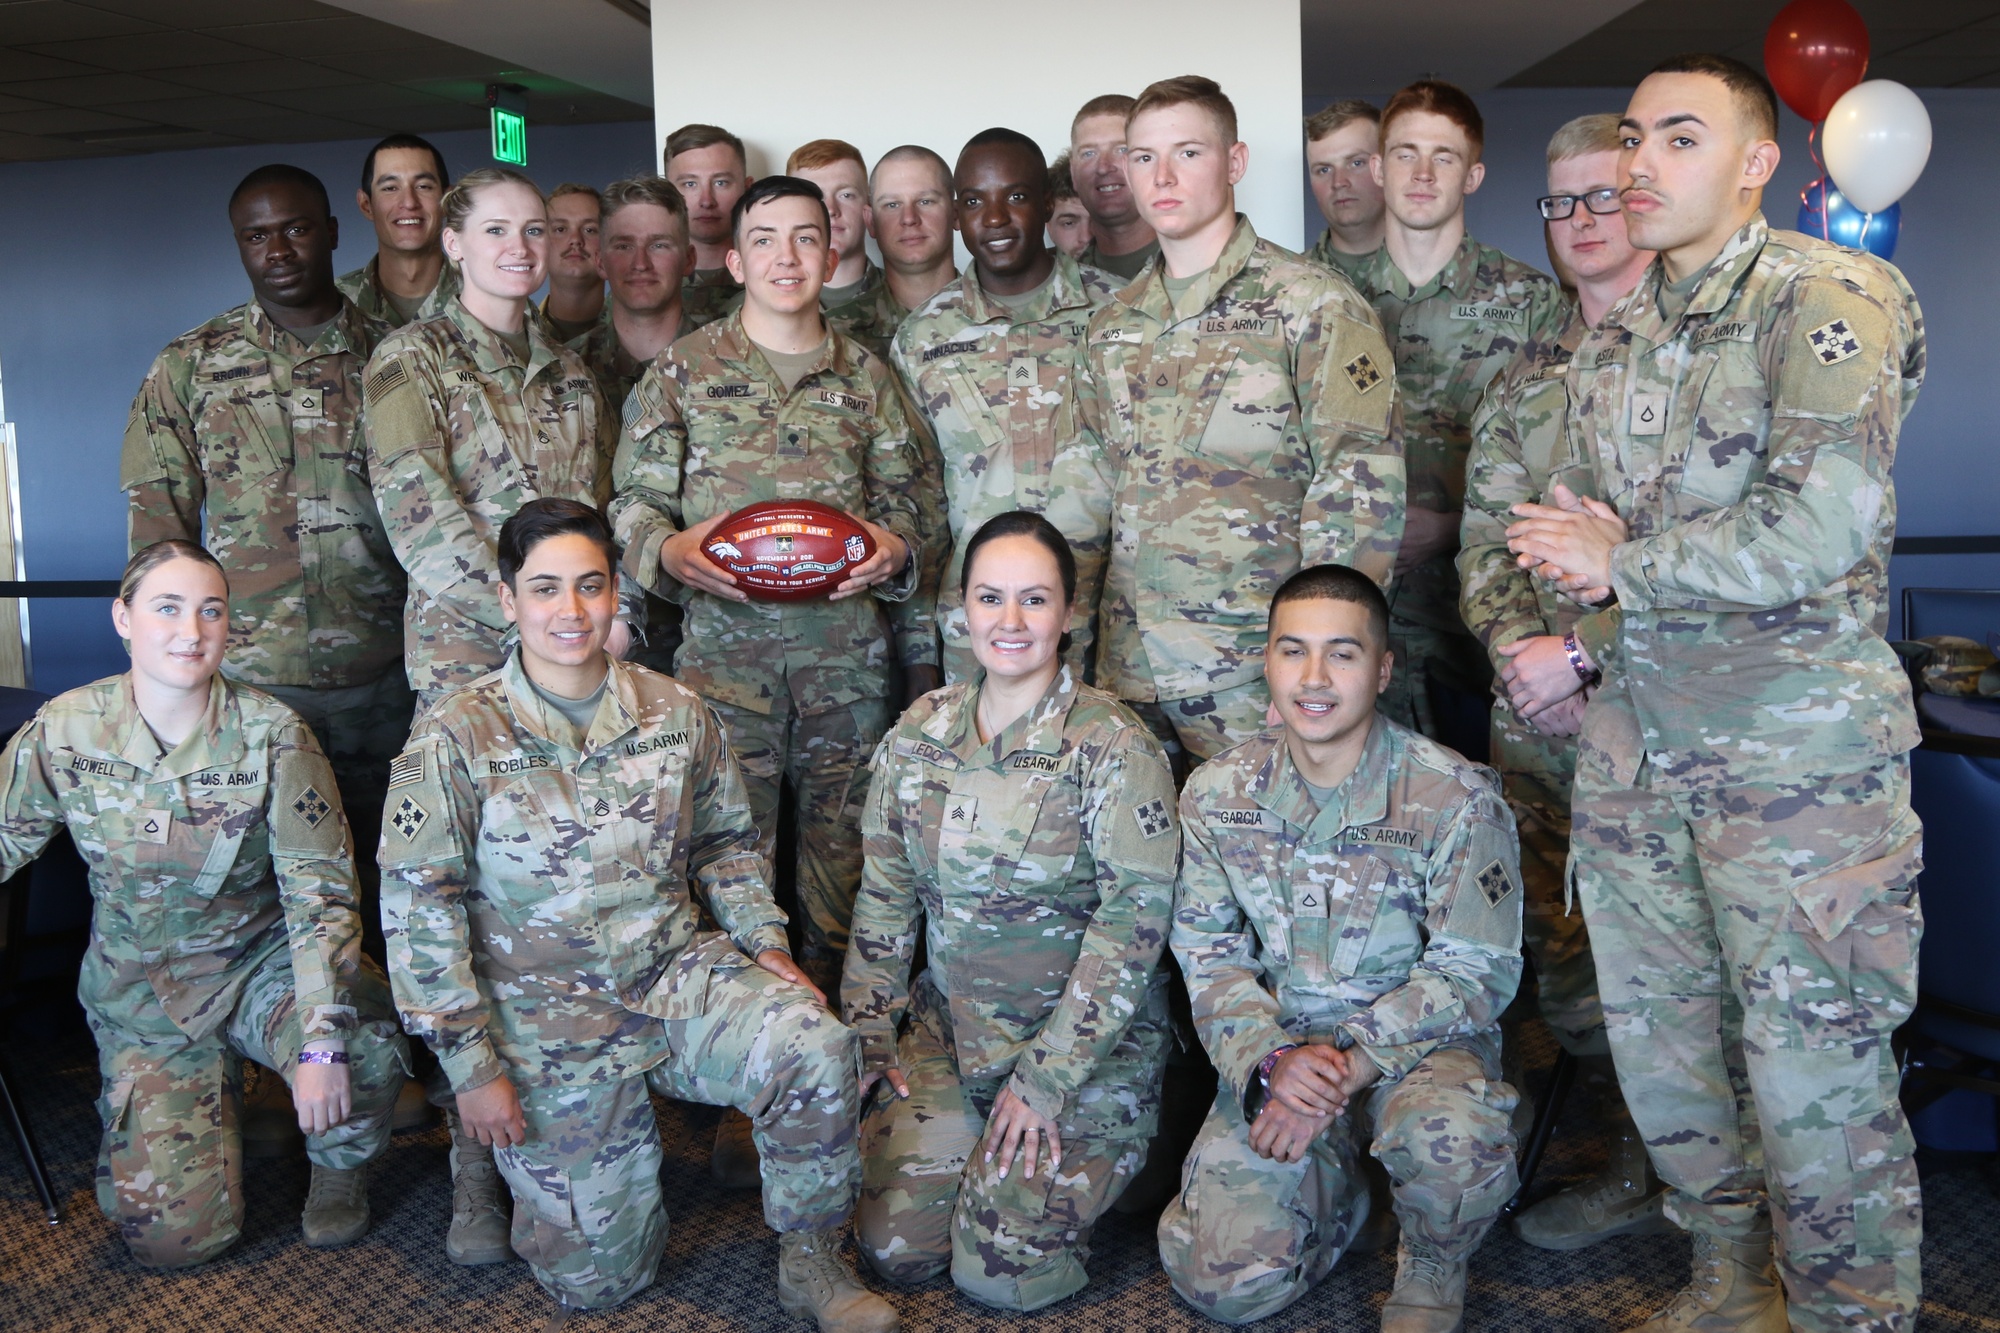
<point x="479" y="1214"/>
<point x="815" y="1282"/>
<point x="732" y="1162"/>
<point x="1624" y="1199"/>
<point x="1429" y="1296"/>
<point x="336" y="1211"/>
<point x="1734" y="1289"/>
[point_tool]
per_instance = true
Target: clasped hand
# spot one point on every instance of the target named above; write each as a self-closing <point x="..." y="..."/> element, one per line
<point x="1569" y="543"/>
<point x="1311" y="1087"/>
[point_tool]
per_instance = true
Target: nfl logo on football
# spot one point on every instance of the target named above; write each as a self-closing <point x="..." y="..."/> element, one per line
<point x="856" y="548"/>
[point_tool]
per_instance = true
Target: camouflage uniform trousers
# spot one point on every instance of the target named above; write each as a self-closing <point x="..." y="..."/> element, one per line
<point x="1535" y="776"/>
<point x="362" y="728"/>
<point x="1194" y="731"/>
<point x="1752" y="1047"/>
<point x="824" y="756"/>
<point x="928" y="1203"/>
<point x="1248" y="1235"/>
<point x="588" y="1213"/>
<point x="170" y="1168"/>
<point x="1440" y="686"/>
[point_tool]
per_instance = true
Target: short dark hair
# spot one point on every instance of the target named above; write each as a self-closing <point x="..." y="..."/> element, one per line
<point x="1336" y="583"/>
<point x="1754" y="95"/>
<point x="1338" y="115"/>
<point x="282" y="173"/>
<point x="400" y="140"/>
<point x="778" y="187"/>
<point x="1001" y="134"/>
<point x="540" y="519"/>
<point x="1022" y="523"/>
<point x="1188" y="90"/>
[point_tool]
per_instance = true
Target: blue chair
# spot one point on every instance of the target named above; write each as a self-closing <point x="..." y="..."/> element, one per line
<point x="1952" y="1043"/>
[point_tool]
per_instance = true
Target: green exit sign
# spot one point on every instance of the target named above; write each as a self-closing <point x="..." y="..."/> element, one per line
<point x="510" y="137"/>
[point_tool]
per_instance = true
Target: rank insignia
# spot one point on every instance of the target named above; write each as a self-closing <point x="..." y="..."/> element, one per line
<point x="1493" y="882"/>
<point x="311" y="807"/>
<point x="1834" y="343"/>
<point x="409" y="817"/>
<point x="1152" y="817"/>
<point x="1361" y="370"/>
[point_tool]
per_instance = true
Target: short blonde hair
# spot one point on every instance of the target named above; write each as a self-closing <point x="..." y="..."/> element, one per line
<point x="1335" y="116"/>
<point x="1586" y="135"/>
<point x="568" y="188"/>
<point x="458" y="200"/>
<point x="657" y="190"/>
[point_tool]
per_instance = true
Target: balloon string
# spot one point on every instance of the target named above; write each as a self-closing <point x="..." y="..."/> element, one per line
<point x="1825" y="181"/>
<point x="1867" y="221"/>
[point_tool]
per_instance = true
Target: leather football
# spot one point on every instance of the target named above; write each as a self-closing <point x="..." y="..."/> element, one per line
<point x="788" y="550"/>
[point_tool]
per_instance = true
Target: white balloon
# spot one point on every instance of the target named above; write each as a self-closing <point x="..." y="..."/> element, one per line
<point x="1876" y="141"/>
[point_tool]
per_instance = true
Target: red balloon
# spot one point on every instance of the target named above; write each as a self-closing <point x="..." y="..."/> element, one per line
<point x="1814" y="51"/>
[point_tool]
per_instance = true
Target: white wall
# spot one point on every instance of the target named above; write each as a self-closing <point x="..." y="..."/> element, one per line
<point x="937" y="74"/>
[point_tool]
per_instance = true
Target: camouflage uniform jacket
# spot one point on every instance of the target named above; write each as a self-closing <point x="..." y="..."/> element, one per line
<point x="993" y="384"/>
<point x="707" y="294"/>
<point x="1339" y="261"/>
<point x="615" y="369"/>
<point x="1040" y="867"/>
<point x="1450" y="337"/>
<point x="870" y="316"/>
<point x="537" y="885"/>
<point x="363" y="286"/>
<point x="1390" y="919"/>
<point x="247" y="442"/>
<point x="711" y="429"/>
<point x="1521" y="447"/>
<point x="1134" y="261"/>
<point x="204" y="861"/>
<point x="1245" y="441"/>
<point x="460" y="435"/>
<point x="1747" y="441"/>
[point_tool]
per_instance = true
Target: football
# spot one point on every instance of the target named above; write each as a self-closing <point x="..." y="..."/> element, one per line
<point x="788" y="550"/>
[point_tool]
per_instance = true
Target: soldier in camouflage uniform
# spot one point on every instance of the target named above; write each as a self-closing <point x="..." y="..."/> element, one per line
<point x="546" y="831"/>
<point x="403" y="182"/>
<point x="1744" y="845"/>
<point x="1122" y="240"/>
<point x="1455" y="312"/>
<point x="1245" y="404"/>
<point x="707" y="165"/>
<point x="466" y="421"/>
<point x="1342" y="139"/>
<point x="246" y="438"/>
<point x="1348" y="918"/>
<point x="988" y="362"/>
<point x="1521" y="450"/>
<point x="1022" y="823"/>
<point x="225" y="924"/>
<point x="714" y="425"/>
<point x="643" y="250"/>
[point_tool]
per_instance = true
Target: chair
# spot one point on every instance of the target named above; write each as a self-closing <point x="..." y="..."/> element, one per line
<point x="1952" y="1041"/>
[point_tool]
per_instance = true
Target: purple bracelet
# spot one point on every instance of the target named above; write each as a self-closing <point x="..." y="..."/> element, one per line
<point x="1574" y="652"/>
<point x="322" y="1057"/>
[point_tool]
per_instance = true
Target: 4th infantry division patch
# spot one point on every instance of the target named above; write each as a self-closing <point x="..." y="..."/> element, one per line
<point x="1152" y="817"/>
<point x="1361" y="370"/>
<point x="409" y="817"/>
<point x="1834" y="343"/>
<point x="311" y="807"/>
<point x="1493" y="882"/>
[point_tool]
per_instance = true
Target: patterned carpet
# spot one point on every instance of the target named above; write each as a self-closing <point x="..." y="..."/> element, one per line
<point x="76" y="1278"/>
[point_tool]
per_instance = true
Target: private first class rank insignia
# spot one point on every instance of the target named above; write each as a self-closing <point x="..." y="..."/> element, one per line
<point x="1834" y="343"/>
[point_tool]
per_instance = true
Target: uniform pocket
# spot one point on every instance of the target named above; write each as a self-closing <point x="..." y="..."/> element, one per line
<point x="1888" y="1217"/>
<point x="682" y="991"/>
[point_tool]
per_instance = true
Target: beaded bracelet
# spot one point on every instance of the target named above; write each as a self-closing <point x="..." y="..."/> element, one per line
<point x="1574" y="652"/>
<point x="322" y="1057"/>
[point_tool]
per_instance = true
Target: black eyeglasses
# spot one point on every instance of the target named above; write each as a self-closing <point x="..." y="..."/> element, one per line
<point x="1556" y="207"/>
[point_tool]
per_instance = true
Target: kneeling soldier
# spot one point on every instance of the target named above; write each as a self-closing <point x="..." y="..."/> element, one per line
<point x="1349" y="922"/>
<point x="543" y="832"/>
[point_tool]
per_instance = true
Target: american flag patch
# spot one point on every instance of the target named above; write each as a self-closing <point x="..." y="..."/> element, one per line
<point x="407" y="768"/>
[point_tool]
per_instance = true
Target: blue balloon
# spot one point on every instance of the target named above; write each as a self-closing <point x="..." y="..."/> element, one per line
<point x="1845" y="223"/>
